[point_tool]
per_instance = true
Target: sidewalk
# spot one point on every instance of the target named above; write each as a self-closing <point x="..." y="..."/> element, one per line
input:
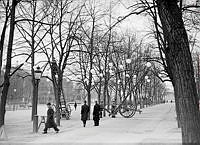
<point x="155" y="125"/>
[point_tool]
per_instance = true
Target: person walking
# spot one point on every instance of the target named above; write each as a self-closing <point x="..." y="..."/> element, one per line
<point x="75" y="105"/>
<point x="50" y="123"/>
<point x="96" y="114"/>
<point x="84" y="113"/>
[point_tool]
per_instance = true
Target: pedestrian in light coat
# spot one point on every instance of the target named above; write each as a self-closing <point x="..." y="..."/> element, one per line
<point x="50" y="123"/>
<point x="96" y="114"/>
<point x="84" y="113"/>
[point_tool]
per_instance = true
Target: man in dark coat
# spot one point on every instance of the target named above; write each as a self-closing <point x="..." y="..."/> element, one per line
<point x="75" y="105"/>
<point x="84" y="113"/>
<point x="50" y="123"/>
<point x="96" y="112"/>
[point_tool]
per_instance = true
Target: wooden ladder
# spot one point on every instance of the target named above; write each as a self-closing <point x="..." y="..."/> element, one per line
<point x="63" y="107"/>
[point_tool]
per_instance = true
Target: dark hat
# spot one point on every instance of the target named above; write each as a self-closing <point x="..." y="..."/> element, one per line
<point x="49" y="103"/>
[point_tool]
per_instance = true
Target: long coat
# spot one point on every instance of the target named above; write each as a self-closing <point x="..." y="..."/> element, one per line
<point x="84" y="112"/>
<point x="50" y="123"/>
<point x="96" y="112"/>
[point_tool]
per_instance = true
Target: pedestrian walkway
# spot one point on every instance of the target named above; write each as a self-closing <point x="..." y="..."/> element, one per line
<point x="155" y="125"/>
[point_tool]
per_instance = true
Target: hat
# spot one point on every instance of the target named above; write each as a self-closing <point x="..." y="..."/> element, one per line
<point x="49" y="103"/>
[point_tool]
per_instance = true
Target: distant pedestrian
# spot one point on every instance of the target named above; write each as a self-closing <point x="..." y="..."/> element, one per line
<point x="84" y="113"/>
<point x="199" y="105"/>
<point x="96" y="114"/>
<point x="50" y="123"/>
<point x="75" y="105"/>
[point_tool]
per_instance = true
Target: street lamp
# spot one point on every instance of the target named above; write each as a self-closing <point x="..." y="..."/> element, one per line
<point x="15" y="90"/>
<point x="92" y="71"/>
<point x="101" y="75"/>
<point x="37" y="74"/>
<point x="127" y="75"/>
<point x="148" y="64"/>
<point x="110" y="64"/>
<point x="56" y="76"/>
<point x="86" y="80"/>
<point x="121" y="67"/>
<point x="119" y="81"/>
<point x="110" y="71"/>
<point x="134" y="79"/>
<point x="128" y="60"/>
<point x="146" y="77"/>
<point x="93" y="83"/>
<point x="148" y="80"/>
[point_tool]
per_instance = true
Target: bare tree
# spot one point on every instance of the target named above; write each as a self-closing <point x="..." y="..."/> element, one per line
<point x="88" y="43"/>
<point x="63" y="37"/>
<point x="176" y="56"/>
<point x="8" y="64"/>
<point x="180" y="69"/>
<point x="31" y="18"/>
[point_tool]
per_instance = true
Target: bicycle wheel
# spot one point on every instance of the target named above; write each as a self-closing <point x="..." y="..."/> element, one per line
<point x="128" y="110"/>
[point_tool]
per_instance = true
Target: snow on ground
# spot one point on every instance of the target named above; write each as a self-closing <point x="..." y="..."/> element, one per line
<point x="156" y="125"/>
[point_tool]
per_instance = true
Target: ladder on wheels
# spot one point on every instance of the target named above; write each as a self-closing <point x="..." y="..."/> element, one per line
<point x="65" y="110"/>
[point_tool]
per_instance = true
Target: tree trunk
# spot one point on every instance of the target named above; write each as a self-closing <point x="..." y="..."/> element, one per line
<point x="2" y="42"/>
<point x="34" y="82"/>
<point x="108" y="98"/>
<point x="116" y="89"/>
<point x="59" y="92"/>
<point x="8" y="65"/>
<point x="177" y="111"/>
<point x="89" y="88"/>
<point x="105" y="93"/>
<point x="99" y="91"/>
<point x="57" y="97"/>
<point x="89" y="101"/>
<point x="198" y="75"/>
<point x="179" y="62"/>
<point x="3" y="36"/>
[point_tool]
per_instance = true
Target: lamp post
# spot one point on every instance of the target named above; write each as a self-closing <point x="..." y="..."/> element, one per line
<point x="128" y="61"/>
<point x="148" y="64"/>
<point x="101" y="75"/>
<point x="49" y="90"/>
<point x="147" y="80"/>
<point x="38" y="73"/>
<point x="15" y="90"/>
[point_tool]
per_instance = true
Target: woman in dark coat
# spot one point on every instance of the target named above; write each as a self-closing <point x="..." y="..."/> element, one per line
<point x="84" y="113"/>
<point x="50" y="123"/>
<point x="96" y="112"/>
